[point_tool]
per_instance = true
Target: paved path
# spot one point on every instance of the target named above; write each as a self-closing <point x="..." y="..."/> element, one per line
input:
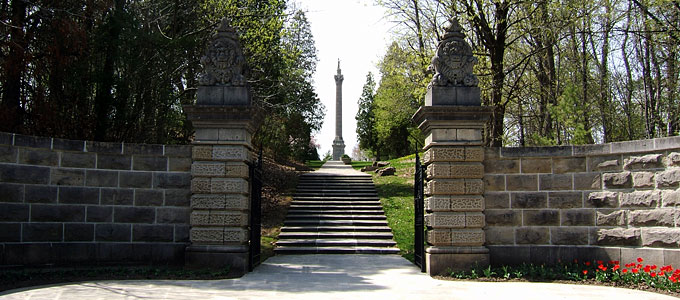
<point x="329" y="277"/>
<point x="334" y="167"/>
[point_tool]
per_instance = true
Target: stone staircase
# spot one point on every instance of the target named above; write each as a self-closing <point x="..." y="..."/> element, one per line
<point x="335" y="214"/>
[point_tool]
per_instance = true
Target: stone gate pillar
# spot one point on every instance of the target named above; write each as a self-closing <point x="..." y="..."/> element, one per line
<point x="224" y="119"/>
<point x="452" y="121"/>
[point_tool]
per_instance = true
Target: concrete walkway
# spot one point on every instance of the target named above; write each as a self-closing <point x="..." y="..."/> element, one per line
<point x="328" y="277"/>
<point x="334" y="167"/>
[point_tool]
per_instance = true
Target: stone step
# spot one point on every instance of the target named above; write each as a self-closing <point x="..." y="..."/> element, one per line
<point x="335" y="250"/>
<point x="373" y="204"/>
<point x="288" y="222"/>
<point x="334" y="181"/>
<point x="335" y="198"/>
<point x="302" y="211"/>
<point x="330" y="206"/>
<point x="321" y="185"/>
<point x="330" y="195"/>
<point x="326" y="242"/>
<point x="296" y="217"/>
<point x="335" y="234"/>
<point x="316" y="228"/>
<point x="336" y="190"/>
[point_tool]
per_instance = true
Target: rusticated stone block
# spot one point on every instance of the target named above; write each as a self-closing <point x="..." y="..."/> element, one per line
<point x="467" y="237"/>
<point x="149" y="163"/>
<point x="569" y="165"/>
<point x="112" y="232"/>
<point x="173" y="215"/>
<point x="222" y="218"/>
<point x="135" y="179"/>
<point x="101" y="178"/>
<point x="438" y="203"/>
<point x="532" y="235"/>
<point x="235" y="235"/>
<point x="496" y="200"/>
<point x="655" y="217"/>
<point x="578" y="217"/>
<point x="616" y="218"/>
<point x="587" y="181"/>
<point x="541" y="217"/>
<point x="673" y="159"/>
<point x="618" y="237"/>
<point x="78" y="232"/>
<point x="602" y="199"/>
<point x="474" y="220"/>
<point x="670" y="198"/>
<point x="555" y="182"/>
<point x="207" y="235"/>
<point x="604" y="163"/>
<point x="491" y="153"/>
<point x="521" y="182"/>
<point x="237" y="170"/>
<point x="474" y="186"/>
<point x="565" y="200"/>
<point x="207" y="201"/>
<point x="617" y="180"/>
<point x="536" y="165"/>
<point x="224" y="153"/>
<point x="78" y="195"/>
<point x="569" y="236"/>
<point x="439" y="237"/>
<point x="200" y="185"/>
<point x="500" y="236"/>
<point x="228" y="185"/>
<point x="445" y="220"/>
<point x="455" y="170"/>
<point x="474" y="154"/>
<point x="148" y="197"/>
<point x="640" y="199"/>
<point x="78" y="160"/>
<point x="38" y="157"/>
<point x="661" y="237"/>
<point x="57" y="213"/>
<point x="668" y="179"/>
<point x="467" y="203"/>
<point x="445" y="187"/>
<point x="40" y="194"/>
<point x="501" y="166"/>
<point x="61" y="176"/>
<point x="201" y="152"/>
<point x="42" y="232"/>
<point x="648" y="161"/>
<point x="8" y="154"/>
<point x="207" y="169"/>
<point x="200" y="218"/>
<point x="134" y="214"/>
<point x="436" y="154"/>
<point x="529" y="200"/>
<point x="494" y="183"/>
<point x="100" y="214"/>
<point x="643" y="179"/>
<point x="495" y="217"/>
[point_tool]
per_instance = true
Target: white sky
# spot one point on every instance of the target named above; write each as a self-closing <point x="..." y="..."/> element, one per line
<point x="356" y="32"/>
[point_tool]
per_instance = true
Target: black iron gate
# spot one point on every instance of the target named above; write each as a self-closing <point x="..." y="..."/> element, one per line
<point x="419" y="207"/>
<point x="255" y="169"/>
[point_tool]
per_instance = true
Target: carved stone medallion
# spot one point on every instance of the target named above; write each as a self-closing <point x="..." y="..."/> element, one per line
<point x="453" y="61"/>
<point x="223" y="62"/>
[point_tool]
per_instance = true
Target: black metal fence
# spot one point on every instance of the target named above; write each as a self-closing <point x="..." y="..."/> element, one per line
<point x="419" y="212"/>
<point x="255" y="169"/>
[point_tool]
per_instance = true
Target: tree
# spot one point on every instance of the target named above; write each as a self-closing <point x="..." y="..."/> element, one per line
<point x="366" y="133"/>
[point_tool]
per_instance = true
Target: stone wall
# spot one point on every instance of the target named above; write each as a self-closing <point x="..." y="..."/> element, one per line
<point x="615" y="201"/>
<point x="66" y="201"/>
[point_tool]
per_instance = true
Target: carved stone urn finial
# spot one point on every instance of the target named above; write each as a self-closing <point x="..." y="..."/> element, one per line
<point x="453" y="60"/>
<point x="223" y="62"/>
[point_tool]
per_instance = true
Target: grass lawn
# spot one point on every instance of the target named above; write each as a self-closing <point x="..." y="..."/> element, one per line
<point x="396" y="195"/>
<point x="360" y="164"/>
<point x="315" y="164"/>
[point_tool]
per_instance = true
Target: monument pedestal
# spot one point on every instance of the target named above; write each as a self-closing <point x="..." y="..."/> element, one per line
<point x="338" y="148"/>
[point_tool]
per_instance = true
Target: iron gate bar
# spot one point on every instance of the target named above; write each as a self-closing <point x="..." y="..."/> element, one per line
<point x="419" y="215"/>
<point x="255" y="172"/>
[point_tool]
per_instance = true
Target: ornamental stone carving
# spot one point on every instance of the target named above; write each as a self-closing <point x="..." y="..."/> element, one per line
<point x="453" y="61"/>
<point x="223" y="62"/>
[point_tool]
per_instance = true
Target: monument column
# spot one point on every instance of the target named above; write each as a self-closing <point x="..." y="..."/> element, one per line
<point x="452" y="121"/>
<point x="338" y="142"/>
<point x="224" y="119"/>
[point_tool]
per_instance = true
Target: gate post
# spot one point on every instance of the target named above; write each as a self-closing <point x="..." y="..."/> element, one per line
<point x="452" y="121"/>
<point x="224" y="119"/>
